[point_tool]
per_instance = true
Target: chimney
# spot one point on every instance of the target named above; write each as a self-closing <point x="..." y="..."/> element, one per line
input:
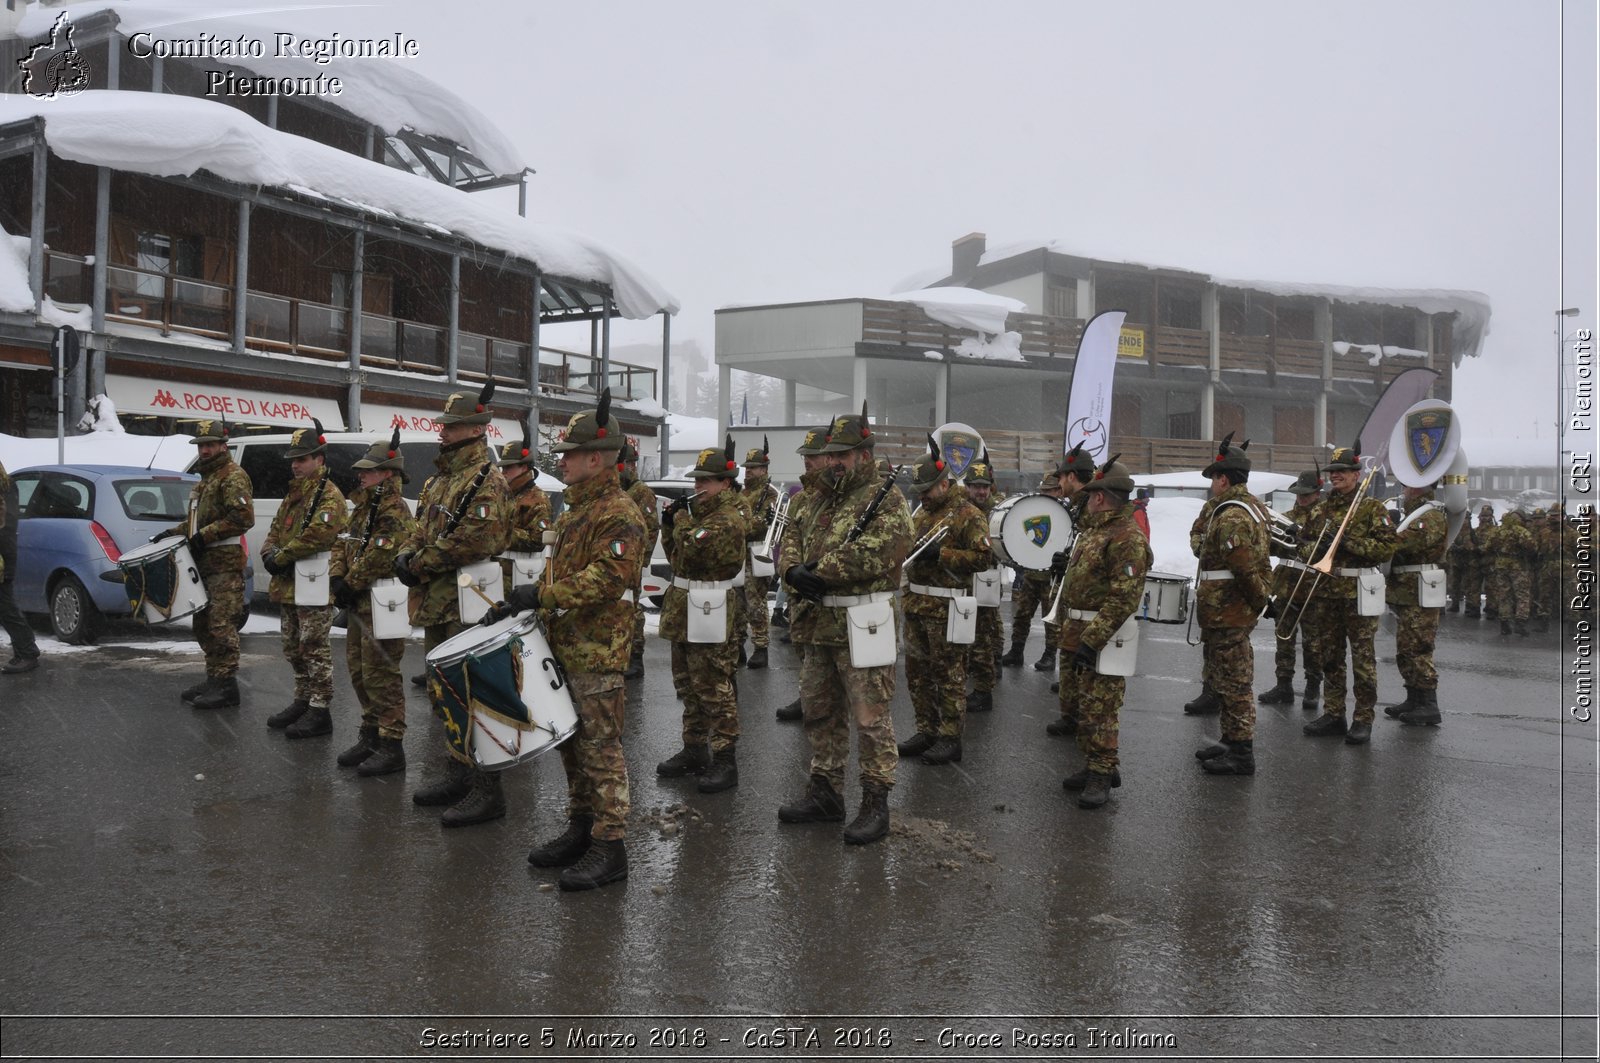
<point x="964" y="255"/>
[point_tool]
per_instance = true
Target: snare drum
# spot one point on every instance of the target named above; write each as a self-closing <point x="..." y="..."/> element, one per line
<point x="504" y="698"/>
<point x="163" y="581"/>
<point x="1028" y="530"/>
<point x="1166" y="599"/>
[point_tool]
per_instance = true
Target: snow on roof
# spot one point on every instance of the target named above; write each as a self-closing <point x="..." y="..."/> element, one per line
<point x="966" y="308"/>
<point x="691" y="433"/>
<point x="383" y="92"/>
<point x="168" y="135"/>
<point x="15" y="294"/>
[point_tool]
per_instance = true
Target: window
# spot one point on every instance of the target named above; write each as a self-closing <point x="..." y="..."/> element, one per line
<point x="1061" y="301"/>
<point x="164" y="499"/>
<point x="1180" y="309"/>
<point x="58" y="496"/>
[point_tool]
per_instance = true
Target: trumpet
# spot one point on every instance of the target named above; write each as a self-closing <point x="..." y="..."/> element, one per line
<point x="776" y="523"/>
<point x="1284" y="531"/>
<point x="934" y="536"/>
<point x="1056" y="598"/>
<point x="1324" y="565"/>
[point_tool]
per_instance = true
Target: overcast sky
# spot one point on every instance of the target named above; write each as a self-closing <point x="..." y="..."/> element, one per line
<point x="748" y="152"/>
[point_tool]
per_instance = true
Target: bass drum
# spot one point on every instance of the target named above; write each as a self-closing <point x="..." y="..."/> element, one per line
<point x="1028" y="530"/>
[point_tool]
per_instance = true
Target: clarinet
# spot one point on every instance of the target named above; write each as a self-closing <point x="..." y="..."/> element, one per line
<point x="872" y="507"/>
<point x="305" y="522"/>
<point x="451" y="524"/>
<point x="372" y="516"/>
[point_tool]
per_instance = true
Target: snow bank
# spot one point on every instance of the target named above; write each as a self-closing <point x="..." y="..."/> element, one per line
<point x="171" y="136"/>
<point x="1006" y="347"/>
<point x="966" y="308"/>
<point x="692" y="433"/>
<point x="15" y="294"/>
<point x="1376" y="352"/>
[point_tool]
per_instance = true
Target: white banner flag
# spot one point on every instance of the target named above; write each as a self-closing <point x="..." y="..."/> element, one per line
<point x="1089" y="402"/>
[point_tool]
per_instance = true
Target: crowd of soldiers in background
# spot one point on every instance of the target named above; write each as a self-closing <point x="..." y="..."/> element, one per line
<point x="1513" y="567"/>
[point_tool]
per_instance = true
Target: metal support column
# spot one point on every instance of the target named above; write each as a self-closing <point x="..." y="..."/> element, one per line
<point x="36" y="228"/>
<point x="666" y="391"/>
<point x="359" y="271"/>
<point x="522" y="195"/>
<point x="1322" y="326"/>
<point x="533" y="363"/>
<point x="605" y="344"/>
<point x="789" y="389"/>
<point x="102" y="247"/>
<point x="1210" y="321"/>
<point x="724" y="397"/>
<point x="453" y="335"/>
<point x="241" y="276"/>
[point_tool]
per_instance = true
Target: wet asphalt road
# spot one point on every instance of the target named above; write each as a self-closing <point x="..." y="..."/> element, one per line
<point x="158" y="861"/>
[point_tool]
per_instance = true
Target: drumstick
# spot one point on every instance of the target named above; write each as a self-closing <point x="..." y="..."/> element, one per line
<point x="464" y="580"/>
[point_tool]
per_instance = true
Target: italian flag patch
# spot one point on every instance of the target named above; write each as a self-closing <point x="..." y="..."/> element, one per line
<point x="380" y="542"/>
<point x="482" y="512"/>
<point x="700" y="533"/>
<point x="619" y="548"/>
<point x="327" y="516"/>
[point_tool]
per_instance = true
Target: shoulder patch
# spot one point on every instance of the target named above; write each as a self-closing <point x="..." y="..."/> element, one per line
<point x="619" y="548"/>
<point x="700" y="533"/>
<point x="482" y="511"/>
<point x="381" y="542"/>
<point x="327" y="516"/>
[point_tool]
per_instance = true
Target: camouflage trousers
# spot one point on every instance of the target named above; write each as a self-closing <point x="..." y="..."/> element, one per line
<point x="1464" y="582"/>
<point x="638" y="628"/>
<point x="216" y="627"/>
<point x="1231" y="662"/>
<point x="755" y="607"/>
<point x="936" y="676"/>
<point x="1304" y="619"/>
<point x="597" y="774"/>
<point x="375" y="673"/>
<point x="702" y="674"/>
<point x="1098" y="701"/>
<point x="984" y="653"/>
<point x="1413" y="645"/>
<point x="1513" y="590"/>
<point x="1547" y="604"/>
<point x="308" y="651"/>
<point x="1340" y="626"/>
<point x="832" y="693"/>
<point x="1029" y="596"/>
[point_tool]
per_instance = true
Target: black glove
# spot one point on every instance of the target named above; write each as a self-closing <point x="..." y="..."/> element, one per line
<point x="1084" y="658"/>
<point x="269" y="561"/>
<point x="402" y="570"/>
<point x="1058" y="563"/>
<point x="196" y="544"/>
<point x="1273" y="610"/>
<point x="340" y="594"/>
<point x="158" y="536"/>
<point x="805" y="582"/>
<point x="520" y="600"/>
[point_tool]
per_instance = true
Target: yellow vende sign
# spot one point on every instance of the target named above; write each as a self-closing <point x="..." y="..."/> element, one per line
<point x="1131" y="343"/>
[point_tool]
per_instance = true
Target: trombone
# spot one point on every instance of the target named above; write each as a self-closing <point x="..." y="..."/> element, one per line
<point x="776" y="523"/>
<point x="1057" y="599"/>
<point x="1324" y="565"/>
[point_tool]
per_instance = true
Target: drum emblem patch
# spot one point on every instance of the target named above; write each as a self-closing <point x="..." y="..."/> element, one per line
<point x="1038" y="529"/>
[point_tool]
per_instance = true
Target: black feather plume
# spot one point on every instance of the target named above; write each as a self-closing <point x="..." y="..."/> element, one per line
<point x="1357" y="447"/>
<point x="394" y="442"/>
<point x="486" y="394"/>
<point x="602" y="413"/>
<point x="933" y="448"/>
<point x="727" y="448"/>
<point x="1222" y="448"/>
<point x="766" y="448"/>
<point x="1245" y="445"/>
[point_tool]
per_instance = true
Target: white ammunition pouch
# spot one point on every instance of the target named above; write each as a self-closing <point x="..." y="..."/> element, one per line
<point x="391" y="613"/>
<point x="1369" y="592"/>
<point x="1430" y="584"/>
<point x="961" y="621"/>
<point x="526" y="567"/>
<point x="873" y="640"/>
<point x="988" y="589"/>
<point x="707" y="610"/>
<point x="486" y="577"/>
<point x="311" y="580"/>
<point x="1120" y="655"/>
<point x="758" y="568"/>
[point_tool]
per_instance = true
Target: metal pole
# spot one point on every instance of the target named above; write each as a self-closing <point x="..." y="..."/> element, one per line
<point x="241" y="276"/>
<point x="522" y="195"/>
<point x="605" y="343"/>
<point x="61" y="403"/>
<point x="102" y="245"/>
<point x="356" y="300"/>
<point x="666" y="389"/>
<point x="533" y="364"/>
<point x="453" y="336"/>
<point x="36" y="229"/>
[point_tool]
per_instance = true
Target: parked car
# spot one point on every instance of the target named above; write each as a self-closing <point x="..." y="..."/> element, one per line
<point x="74" y="522"/>
<point x="261" y="457"/>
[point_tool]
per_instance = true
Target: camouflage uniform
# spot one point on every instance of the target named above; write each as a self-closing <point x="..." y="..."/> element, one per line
<point x="1483" y="581"/>
<point x="762" y="501"/>
<point x="1234" y="542"/>
<point x="308" y="522"/>
<point x="644" y="500"/>
<point x="1296" y="609"/>
<point x="983" y="656"/>
<point x="936" y="670"/>
<point x="1417" y="627"/>
<point x="221" y="506"/>
<point x="1462" y="569"/>
<point x="530" y="519"/>
<point x="1032" y="593"/>
<point x="1511" y="556"/>
<point x="1547" y="533"/>
<point x="380" y="522"/>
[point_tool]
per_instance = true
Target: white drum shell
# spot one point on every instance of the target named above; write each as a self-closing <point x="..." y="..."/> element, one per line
<point x="191" y="594"/>
<point x="1166" y="599"/>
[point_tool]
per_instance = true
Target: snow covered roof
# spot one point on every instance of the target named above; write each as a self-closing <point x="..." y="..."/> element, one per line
<point x="385" y="93"/>
<point x="966" y="308"/>
<point x="166" y="136"/>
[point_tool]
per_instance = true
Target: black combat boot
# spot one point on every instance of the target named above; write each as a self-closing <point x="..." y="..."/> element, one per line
<point x="1426" y="713"/>
<point x="1055" y="687"/>
<point x="1491" y="612"/>
<point x="944" y="751"/>
<point x="791" y="712"/>
<point x="1282" y="694"/>
<point x="1240" y="759"/>
<point x="1207" y="704"/>
<point x="980" y="701"/>
<point x="1359" y="734"/>
<point x="224" y="694"/>
<point x="780" y="616"/>
<point x="1473" y="612"/>
<point x="872" y="820"/>
<point x="821" y="804"/>
<point x="1325" y="726"/>
<point x="1079" y="779"/>
<point x="314" y="723"/>
<point x="389" y="757"/>
<point x="1505" y="627"/>
<point x="1013" y="657"/>
<point x="635" y="669"/>
<point x="758" y="658"/>
<point x="604" y="863"/>
<point x="1454" y="606"/>
<point x="1399" y="708"/>
<point x="1046" y="661"/>
<point x="20" y="663"/>
<point x="448" y="790"/>
<point x="1522" y="627"/>
<point x="485" y="801"/>
<point x="190" y="693"/>
<point x="1066" y="725"/>
<point x="722" y="775"/>
<point x="1311" y="700"/>
<point x="366" y="745"/>
<point x="916" y="745"/>
<point x="1096" y="790"/>
<point x="285" y="716"/>
<point x="1216" y="749"/>
<point x="743" y="657"/>
<point x="567" y="847"/>
<point x="690" y="760"/>
<point x="1542" y="625"/>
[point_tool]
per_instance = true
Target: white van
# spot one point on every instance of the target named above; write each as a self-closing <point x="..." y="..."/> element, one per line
<point x="261" y="457"/>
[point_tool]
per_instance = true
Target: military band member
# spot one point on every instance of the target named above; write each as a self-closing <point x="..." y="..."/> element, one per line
<point x="1073" y="473"/>
<point x="1032" y="590"/>
<point x="1547" y="539"/>
<point x="1104" y="585"/>
<point x="24" y="647"/>
<point x="1461" y="564"/>
<point x="645" y="500"/>
<point x="762" y="499"/>
<point x="936" y="669"/>
<point x="463" y="517"/>
<point x="1207" y="703"/>
<point x="1234" y="584"/>
<point x="802" y="612"/>
<point x="846" y="554"/>
<point x="705" y="544"/>
<point x="1368" y="542"/>
<point x="983" y="656"/>
<point x="1421" y="547"/>
<point x="221" y="509"/>
<point x="530" y="506"/>
<point x="308" y="522"/>
<point x="1512" y="553"/>
<point x="1292" y="612"/>
<point x="1483" y="541"/>
<point x="379" y="522"/>
<point x="587" y="597"/>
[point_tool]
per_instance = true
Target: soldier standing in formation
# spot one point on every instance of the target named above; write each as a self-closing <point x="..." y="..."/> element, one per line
<point x="309" y="522"/>
<point x="1419" y="554"/>
<point x="845" y="556"/>
<point x="463" y="517"/>
<point x="704" y="538"/>
<point x="940" y="573"/>
<point x="1032" y="593"/>
<point x="762" y="500"/>
<point x="983" y="656"/>
<point x="1546" y="531"/>
<point x="802" y="614"/>
<point x="1104" y="583"/>
<point x="1206" y="703"/>
<point x="1073" y="473"/>
<point x="379" y="523"/>
<point x="1234" y="584"/>
<point x="24" y="647"/>
<point x="1295" y="611"/>
<point x="645" y="500"/>
<point x="1368" y="542"/>
<point x="530" y="506"/>
<point x="1461" y="571"/>
<point x="1511" y="549"/>
<point x="1483" y="542"/>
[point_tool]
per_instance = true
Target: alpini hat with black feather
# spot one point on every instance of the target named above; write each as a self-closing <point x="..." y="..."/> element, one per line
<point x="210" y="431"/>
<point x="307" y="441"/>
<point x="716" y="464"/>
<point x="849" y="432"/>
<point x="758" y="457"/>
<point x="981" y="472"/>
<point x="596" y="430"/>
<point x="383" y="455"/>
<point x="1229" y="458"/>
<point x="1112" y="476"/>
<point x="462" y="408"/>
<point x="929" y="469"/>
<point x="516" y="452"/>
<point x="1345" y="459"/>
<point x="1077" y="460"/>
